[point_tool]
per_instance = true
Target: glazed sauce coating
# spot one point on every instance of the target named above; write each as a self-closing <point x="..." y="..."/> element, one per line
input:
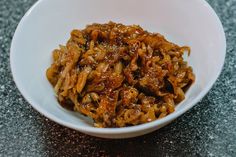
<point x="119" y="75"/>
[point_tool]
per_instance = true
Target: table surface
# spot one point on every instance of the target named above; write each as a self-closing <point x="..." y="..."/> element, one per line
<point x="208" y="129"/>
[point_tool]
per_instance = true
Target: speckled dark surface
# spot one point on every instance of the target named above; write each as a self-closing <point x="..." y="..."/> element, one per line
<point x="208" y="129"/>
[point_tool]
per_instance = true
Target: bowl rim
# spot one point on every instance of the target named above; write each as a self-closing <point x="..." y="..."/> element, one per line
<point x="110" y="131"/>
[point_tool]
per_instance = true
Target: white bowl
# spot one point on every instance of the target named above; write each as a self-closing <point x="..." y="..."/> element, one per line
<point x="49" y="22"/>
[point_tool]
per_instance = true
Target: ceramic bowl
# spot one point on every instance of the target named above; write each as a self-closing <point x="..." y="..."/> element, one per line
<point x="49" y="22"/>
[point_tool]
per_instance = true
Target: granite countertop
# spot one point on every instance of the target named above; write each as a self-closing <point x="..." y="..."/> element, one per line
<point x="208" y="129"/>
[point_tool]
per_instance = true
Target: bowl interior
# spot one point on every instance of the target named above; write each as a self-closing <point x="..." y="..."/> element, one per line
<point x="49" y="22"/>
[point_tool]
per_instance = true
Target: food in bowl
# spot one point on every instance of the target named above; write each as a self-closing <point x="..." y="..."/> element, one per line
<point x="119" y="75"/>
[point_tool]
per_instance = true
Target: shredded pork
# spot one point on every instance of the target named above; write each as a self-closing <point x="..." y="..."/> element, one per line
<point x="119" y="75"/>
